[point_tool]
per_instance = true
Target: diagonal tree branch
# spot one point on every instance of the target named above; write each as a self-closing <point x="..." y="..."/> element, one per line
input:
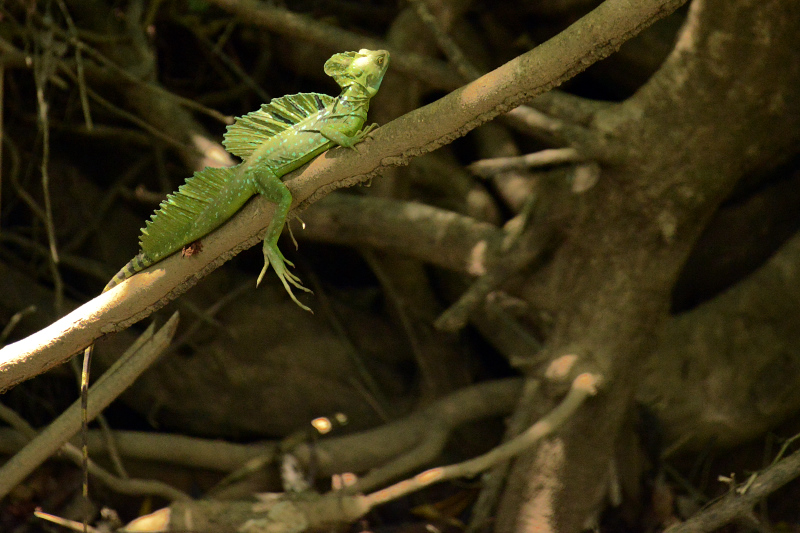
<point x="588" y="40"/>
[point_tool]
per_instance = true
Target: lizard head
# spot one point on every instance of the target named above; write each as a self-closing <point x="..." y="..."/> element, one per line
<point x="364" y="68"/>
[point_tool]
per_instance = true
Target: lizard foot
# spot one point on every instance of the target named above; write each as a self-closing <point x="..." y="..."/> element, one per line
<point x="363" y="134"/>
<point x="274" y="257"/>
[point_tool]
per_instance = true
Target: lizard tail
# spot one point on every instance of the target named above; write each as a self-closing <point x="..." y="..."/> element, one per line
<point x="140" y="262"/>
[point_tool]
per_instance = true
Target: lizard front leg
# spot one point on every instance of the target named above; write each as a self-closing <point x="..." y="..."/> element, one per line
<point x="342" y="139"/>
<point x="267" y="184"/>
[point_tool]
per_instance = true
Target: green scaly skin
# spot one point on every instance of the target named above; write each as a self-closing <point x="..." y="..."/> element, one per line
<point x="281" y="137"/>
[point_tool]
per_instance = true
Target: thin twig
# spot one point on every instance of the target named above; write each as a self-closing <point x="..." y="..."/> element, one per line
<point x="136" y="360"/>
<point x="14" y="320"/>
<point x="363" y="381"/>
<point x="64" y="522"/>
<point x="303" y="28"/>
<point x="355" y="452"/>
<point x="82" y="47"/>
<point x="111" y="446"/>
<point x="42" y="74"/>
<point x="583" y="386"/>
<point x="236" y="69"/>
<point x="734" y="505"/>
<point x="123" y="486"/>
<point x="543" y="158"/>
<point x="446" y="43"/>
<point x="526" y="239"/>
<point x="493" y="480"/>
<point x="401" y="309"/>
<point x="73" y="37"/>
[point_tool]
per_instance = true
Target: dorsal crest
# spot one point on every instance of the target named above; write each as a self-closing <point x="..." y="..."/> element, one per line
<point x="163" y="233"/>
<point x="249" y="131"/>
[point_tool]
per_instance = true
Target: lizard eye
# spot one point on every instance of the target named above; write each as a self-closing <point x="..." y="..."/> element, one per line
<point x="380" y="61"/>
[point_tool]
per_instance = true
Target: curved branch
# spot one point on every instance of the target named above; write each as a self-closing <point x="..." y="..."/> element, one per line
<point x="136" y="360"/>
<point x="739" y="503"/>
<point x="588" y="40"/>
<point x="583" y="386"/>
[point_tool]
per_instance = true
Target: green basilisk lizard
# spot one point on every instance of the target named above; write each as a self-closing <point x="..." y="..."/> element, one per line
<point x="280" y="137"/>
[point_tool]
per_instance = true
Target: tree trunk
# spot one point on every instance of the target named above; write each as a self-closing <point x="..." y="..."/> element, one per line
<point x="724" y="103"/>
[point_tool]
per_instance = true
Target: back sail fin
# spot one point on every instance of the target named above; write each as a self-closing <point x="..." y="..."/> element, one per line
<point x="166" y="231"/>
<point x="245" y="135"/>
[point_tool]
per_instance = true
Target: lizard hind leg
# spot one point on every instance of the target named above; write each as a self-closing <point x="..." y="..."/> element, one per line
<point x="274" y="190"/>
<point x="274" y="257"/>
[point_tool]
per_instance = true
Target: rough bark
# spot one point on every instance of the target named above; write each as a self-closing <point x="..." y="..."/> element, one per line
<point x="723" y="103"/>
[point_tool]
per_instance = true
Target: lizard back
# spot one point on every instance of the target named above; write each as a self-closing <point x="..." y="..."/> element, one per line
<point x="267" y="134"/>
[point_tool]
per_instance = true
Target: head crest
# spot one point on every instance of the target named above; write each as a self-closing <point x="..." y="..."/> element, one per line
<point x="364" y="68"/>
<point x="336" y="67"/>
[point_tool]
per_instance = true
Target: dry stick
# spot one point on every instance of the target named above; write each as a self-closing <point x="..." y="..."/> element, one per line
<point x="493" y="480"/>
<point x="26" y="197"/>
<point x="533" y="122"/>
<point x="589" y="39"/>
<point x="136" y="360"/>
<point x="10" y="417"/>
<point x="429" y="446"/>
<point x="123" y="486"/>
<point x="397" y="302"/>
<point x="559" y="128"/>
<point x="304" y="28"/>
<point x="363" y="380"/>
<point x="542" y="158"/>
<point x="568" y="108"/>
<point x="436" y="236"/>
<point x="338" y="508"/>
<point x="735" y="506"/>
<point x="65" y="522"/>
<point x="111" y="446"/>
<point x="41" y="76"/>
<point x="14" y="320"/>
<point x="446" y="44"/>
<point x="517" y="250"/>
<point x="426" y="451"/>
<point x="228" y="62"/>
<point x="186" y="102"/>
<point x="191" y="452"/>
<point x="583" y="386"/>
<point x="354" y="452"/>
<point x="125" y="114"/>
<point x="73" y="37"/>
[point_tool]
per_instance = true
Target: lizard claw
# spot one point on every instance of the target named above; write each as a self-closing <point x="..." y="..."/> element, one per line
<point x="274" y="257"/>
<point x="363" y="134"/>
